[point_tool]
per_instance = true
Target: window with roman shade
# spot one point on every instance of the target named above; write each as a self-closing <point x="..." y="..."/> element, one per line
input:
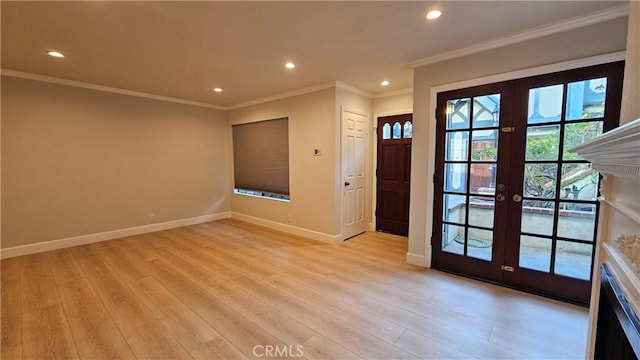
<point x="261" y="158"/>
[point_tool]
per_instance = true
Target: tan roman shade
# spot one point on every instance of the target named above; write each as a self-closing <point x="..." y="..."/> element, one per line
<point x="261" y="156"/>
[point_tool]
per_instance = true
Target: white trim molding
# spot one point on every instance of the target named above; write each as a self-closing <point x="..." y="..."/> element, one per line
<point x="85" y="85"/>
<point x="289" y="229"/>
<point x="546" y="30"/>
<point x="617" y="152"/>
<point x="390" y="113"/>
<point x="281" y="96"/>
<point x="107" y="235"/>
<point x="286" y="95"/>
<point x="416" y="259"/>
<point x="90" y="86"/>
<point x="538" y="70"/>
<point x="353" y="89"/>
<point x="393" y="93"/>
<point x="623" y="271"/>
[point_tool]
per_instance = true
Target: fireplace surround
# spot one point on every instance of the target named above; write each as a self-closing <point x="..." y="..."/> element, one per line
<point x="618" y="326"/>
<point x="616" y="278"/>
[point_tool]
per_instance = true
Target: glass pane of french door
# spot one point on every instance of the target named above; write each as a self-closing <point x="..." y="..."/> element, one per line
<point x="471" y="145"/>
<point x="559" y="191"/>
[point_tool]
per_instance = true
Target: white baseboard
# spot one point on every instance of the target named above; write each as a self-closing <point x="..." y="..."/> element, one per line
<point x="107" y="235"/>
<point x="290" y="229"/>
<point x="416" y="259"/>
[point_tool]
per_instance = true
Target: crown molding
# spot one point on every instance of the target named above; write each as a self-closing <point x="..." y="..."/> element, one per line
<point x="353" y="89"/>
<point x="550" y="29"/>
<point x="84" y="85"/>
<point x="538" y="70"/>
<point x="282" y="96"/>
<point x="393" y="93"/>
<point x="336" y="84"/>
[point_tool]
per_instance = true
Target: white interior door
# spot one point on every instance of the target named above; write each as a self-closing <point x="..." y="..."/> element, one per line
<point x="355" y="140"/>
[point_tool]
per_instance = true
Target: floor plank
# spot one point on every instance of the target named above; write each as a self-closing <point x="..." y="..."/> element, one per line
<point x="112" y="292"/>
<point x="187" y="327"/>
<point x="46" y="334"/>
<point x="36" y="283"/>
<point x="11" y="311"/>
<point x="366" y="321"/>
<point x="64" y="266"/>
<point x="238" y="329"/>
<point x="95" y="334"/>
<point x="427" y="348"/>
<point x="338" y="330"/>
<point x="227" y="289"/>
<point x="218" y="348"/>
<point x="322" y="348"/>
<point x="146" y="335"/>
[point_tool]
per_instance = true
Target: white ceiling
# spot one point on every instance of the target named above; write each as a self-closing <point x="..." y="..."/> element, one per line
<point x="185" y="49"/>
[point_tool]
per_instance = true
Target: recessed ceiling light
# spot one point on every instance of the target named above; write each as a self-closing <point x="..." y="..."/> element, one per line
<point x="433" y="14"/>
<point x="384" y="83"/>
<point x="55" y="54"/>
<point x="218" y="90"/>
<point x="290" y="65"/>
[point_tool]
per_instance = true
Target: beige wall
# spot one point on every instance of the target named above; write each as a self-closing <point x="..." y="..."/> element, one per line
<point x="393" y="104"/>
<point x="631" y="90"/>
<point x="312" y="125"/>
<point x="593" y="40"/>
<point x="78" y="161"/>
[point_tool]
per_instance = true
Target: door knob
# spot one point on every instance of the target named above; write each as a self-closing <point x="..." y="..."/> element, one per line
<point x="346" y="183"/>
<point x="517" y="198"/>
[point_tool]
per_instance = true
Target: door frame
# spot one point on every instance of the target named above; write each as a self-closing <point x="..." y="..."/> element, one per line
<point x="367" y="171"/>
<point x="374" y="162"/>
<point x="513" y="75"/>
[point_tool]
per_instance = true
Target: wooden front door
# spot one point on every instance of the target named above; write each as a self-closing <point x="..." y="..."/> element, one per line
<point x="513" y="203"/>
<point x="393" y="172"/>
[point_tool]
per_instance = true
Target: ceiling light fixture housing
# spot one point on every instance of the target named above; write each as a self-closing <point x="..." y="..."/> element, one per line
<point x="433" y="14"/>
<point x="290" y="65"/>
<point x="55" y="53"/>
<point x="218" y="90"/>
<point x="385" y="83"/>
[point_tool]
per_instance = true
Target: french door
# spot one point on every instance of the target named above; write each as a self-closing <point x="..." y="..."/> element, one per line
<point x="513" y="204"/>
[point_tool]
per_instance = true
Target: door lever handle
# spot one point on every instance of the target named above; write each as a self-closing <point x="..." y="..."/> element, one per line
<point x="500" y="197"/>
<point x="346" y="183"/>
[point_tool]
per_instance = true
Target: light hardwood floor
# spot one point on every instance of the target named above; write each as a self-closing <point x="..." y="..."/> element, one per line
<point x="216" y="290"/>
